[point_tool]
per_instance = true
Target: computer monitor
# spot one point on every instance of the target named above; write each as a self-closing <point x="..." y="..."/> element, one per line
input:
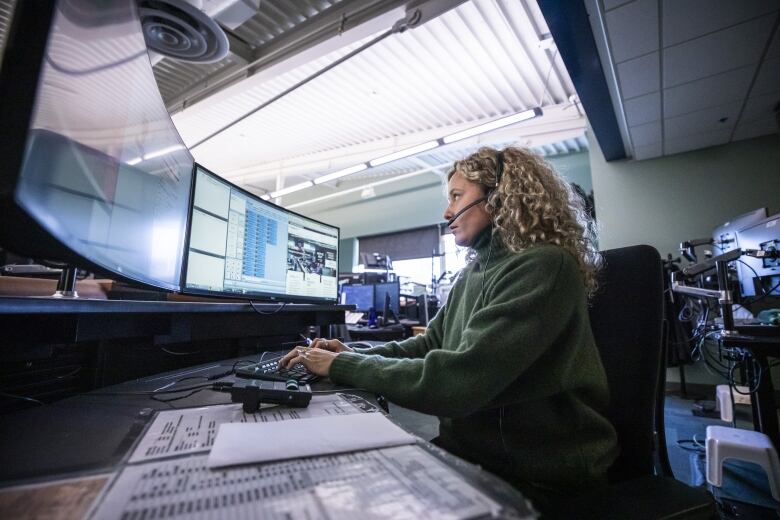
<point x="361" y="296"/>
<point x="93" y="171"/>
<point x="724" y="237"/>
<point x="391" y="288"/>
<point x="764" y="235"/>
<point x="240" y="245"/>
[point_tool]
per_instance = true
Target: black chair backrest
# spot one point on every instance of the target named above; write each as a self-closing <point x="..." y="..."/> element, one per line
<point x="626" y="316"/>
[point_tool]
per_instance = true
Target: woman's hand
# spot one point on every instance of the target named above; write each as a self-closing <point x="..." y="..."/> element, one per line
<point x="317" y="358"/>
<point x="333" y="345"/>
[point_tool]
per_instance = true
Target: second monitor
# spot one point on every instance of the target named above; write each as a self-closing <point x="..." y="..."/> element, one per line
<point x="240" y="245"/>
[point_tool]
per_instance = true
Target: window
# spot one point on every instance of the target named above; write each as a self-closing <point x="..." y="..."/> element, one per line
<point x="417" y="270"/>
<point x="454" y="256"/>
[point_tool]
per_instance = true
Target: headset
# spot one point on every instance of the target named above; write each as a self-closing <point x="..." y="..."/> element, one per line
<point x="499" y="172"/>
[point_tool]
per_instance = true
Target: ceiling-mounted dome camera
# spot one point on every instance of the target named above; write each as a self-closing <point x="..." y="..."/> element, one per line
<point x="178" y="29"/>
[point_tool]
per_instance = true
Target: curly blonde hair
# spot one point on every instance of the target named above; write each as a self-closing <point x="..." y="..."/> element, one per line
<point x="534" y="205"/>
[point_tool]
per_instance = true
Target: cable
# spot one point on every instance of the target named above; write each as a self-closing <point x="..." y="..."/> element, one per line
<point x="172" y="391"/>
<point x="766" y="293"/>
<point x="544" y="91"/>
<point x="22" y="398"/>
<point x="281" y="306"/>
<point x="696" y="445"/>
<point x="172" y="353"/>
<point x="155" y="398"/>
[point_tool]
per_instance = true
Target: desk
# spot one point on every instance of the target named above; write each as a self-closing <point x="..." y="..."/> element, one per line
<point x="104" y="342"/>
<point x="93" y="434"/>
<point x="387" y="333"/>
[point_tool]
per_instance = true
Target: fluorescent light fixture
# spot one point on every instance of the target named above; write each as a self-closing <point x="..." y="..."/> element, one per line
<point x="492" y="125"/>
<point x="134" y="161"/>
<point x="403" y="153"/>
<point x="164" y="151"/>
<point x="291" y="189"/>
<point x="365" y="186"/>
<point x="341" y="173"/>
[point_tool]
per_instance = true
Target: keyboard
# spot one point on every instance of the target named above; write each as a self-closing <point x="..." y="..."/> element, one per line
<point x="271" y="371"/>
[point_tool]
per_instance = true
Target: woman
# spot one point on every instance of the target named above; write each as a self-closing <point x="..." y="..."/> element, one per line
<point x="509" y="364"/>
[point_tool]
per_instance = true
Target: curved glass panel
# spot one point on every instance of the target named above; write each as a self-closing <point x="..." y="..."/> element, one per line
<point x="105" y="171"/>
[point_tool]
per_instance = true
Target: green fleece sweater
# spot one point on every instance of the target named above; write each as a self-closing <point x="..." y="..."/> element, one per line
<point x="514" y="377"/>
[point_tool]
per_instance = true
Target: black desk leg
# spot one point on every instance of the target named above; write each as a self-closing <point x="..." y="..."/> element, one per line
<point x="763" y="402"/>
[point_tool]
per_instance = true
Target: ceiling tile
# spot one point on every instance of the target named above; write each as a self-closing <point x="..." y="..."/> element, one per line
<point x="759" y="107"/>
<point x="640" y="76"/>
<point x="633" y="29"/>
<point x="706" y="120"/>
<point x="643" y="109"/>
<point x="646" y="134"/>
<point x="718" y="52"/>
<point x="768" y="79"/>
<point x="648" y="151"/>
<point x="692" y="18"/>
<point x="695" y="141"/>
<point x="759" y="127"/>
<point x="711" y="91"/>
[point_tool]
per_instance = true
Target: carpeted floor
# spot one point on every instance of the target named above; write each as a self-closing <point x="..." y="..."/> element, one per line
<point x="745" y="492"/>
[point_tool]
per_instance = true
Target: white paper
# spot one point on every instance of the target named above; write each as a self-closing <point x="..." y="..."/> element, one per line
<point x="399" y="483"/>
<point x="246" y="443"/>
<point x="192" y="430"/>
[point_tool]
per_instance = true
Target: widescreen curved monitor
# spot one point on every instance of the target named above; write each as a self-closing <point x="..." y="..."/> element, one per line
<point x="242" y="246"/>
<point x="93" y="171"/>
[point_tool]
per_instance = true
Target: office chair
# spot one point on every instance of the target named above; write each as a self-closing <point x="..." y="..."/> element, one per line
<point x="626" y="316"/>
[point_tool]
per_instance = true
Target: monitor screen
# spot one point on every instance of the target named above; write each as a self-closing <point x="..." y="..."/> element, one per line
<point x="361" y="296"/>
<point x="241" y="245"/>
<point x="391" y="288"/>
<point x="94" y="172"/>
<point x="724" y="237"/>
<point x="764" y="235"/>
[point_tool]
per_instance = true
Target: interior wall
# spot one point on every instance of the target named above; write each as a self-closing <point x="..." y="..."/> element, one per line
<point x="348" y="254"/>
<point x="417" y="202"/>
<point x="663" y="201"/>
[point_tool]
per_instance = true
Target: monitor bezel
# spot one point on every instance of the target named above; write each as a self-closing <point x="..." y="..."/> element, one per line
<point x="254" y="296"/>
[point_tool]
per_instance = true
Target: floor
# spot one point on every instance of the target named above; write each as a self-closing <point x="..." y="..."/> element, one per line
<point x="745" y="493"/>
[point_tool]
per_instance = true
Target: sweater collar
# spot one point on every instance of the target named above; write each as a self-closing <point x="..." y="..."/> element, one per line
<point x="482" y="244"/>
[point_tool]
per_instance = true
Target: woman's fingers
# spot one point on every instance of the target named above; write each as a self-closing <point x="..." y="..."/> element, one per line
<point x="324" y="344"/>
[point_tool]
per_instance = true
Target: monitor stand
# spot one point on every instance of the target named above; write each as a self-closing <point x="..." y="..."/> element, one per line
<point x="66" y="286"/>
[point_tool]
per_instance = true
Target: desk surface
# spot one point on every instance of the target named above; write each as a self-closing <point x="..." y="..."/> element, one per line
<point x="93" y="433"/>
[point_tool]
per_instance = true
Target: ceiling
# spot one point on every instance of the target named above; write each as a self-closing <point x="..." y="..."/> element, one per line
<point x="474" y="63"/>
<point x="689" y="74"/>
<point x="682" y="75"/>
<point x="470" y="62"/>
